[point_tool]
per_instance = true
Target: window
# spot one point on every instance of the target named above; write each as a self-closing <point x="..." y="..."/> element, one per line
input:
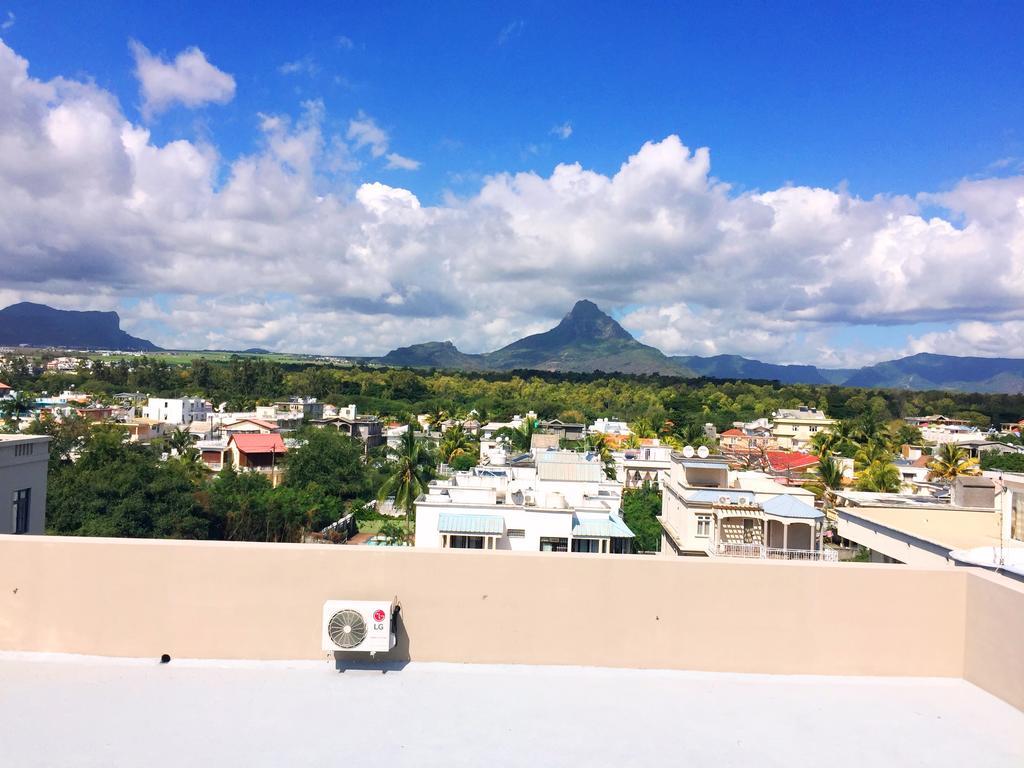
<point x="466" y="542"/>
<point x="549" y="544"/>
<point x="703" y="526"/>
<point x="517" y="533"/>
<point x="21" y="501"/>
<point x="814" y="429"/>
<point x="586" y="545"/>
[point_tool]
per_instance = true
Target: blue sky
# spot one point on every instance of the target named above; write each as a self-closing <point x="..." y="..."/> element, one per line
<point x="901" y="100"/>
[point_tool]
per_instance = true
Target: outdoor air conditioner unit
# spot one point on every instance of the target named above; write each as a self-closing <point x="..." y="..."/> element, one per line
<point x="359" y="626"/>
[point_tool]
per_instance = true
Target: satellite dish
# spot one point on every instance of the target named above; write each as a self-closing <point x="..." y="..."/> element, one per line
<point x="703" y="452"/>
<point x="688" y="451"/>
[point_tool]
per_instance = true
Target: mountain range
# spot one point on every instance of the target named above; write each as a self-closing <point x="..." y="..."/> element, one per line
<point x="585" y="340"/>
<point x="589" y="340"/>
<point x="37" y="325"/>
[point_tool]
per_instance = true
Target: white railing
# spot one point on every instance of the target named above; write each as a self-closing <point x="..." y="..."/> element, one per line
<point x="726" y="549"/>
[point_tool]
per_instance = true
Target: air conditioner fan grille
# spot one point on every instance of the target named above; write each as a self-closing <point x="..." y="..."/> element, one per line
<point x="347" y="629"/>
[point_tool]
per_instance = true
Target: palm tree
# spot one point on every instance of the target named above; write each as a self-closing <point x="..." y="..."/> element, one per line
<point x="951" y="462"/>
<point x="14" y="407"/>
<point x="456" y="441"/>
<point x="823" y="444"/>
<point x="410" y="470"/>
<point x="694" y="434"/>
<point x="642" y="428"/>
<point x="598" y="445"/>
<point x="436" y="419"/>
<point x="518" y="438"/>
<point x="874" y="467"/>
<point x="633" y="441"/>
<point x="179" y="441"/>
<point x="872" y="452"/>
<point x="829" y="473"/>
<point x="880" y="478"/>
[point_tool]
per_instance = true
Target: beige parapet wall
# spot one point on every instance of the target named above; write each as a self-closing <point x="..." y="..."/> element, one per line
<point x="143" y="598"/>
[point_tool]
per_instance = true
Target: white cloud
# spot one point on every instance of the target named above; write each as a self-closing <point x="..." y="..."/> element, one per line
<point x="396" y="161"/>
<point x="364" y="132"/>
<point x="563" y="131"/>
<point x="511" y="31"/>
<point x="304" y="66"/>
<point x="8" y="22"/>
<point x="282" y="248"/>
<point x="190" y="80"/>
<point x="344" y="42"/>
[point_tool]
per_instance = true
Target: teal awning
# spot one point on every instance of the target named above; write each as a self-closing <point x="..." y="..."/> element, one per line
<point x="490" y="525"/>
<point x="609" y="528"/>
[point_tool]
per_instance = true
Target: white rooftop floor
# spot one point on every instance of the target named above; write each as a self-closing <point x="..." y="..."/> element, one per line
<point x="84" y="711"/>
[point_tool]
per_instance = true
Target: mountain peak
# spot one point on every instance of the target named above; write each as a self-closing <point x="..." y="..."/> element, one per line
<point x="586" y="322"/>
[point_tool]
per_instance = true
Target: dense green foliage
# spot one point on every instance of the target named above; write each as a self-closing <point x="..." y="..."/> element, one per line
<point x="1007" y="462"/>
<point x="401" y="393"/>
<point x="640" y="510"/>
<point x="117" y="488"/>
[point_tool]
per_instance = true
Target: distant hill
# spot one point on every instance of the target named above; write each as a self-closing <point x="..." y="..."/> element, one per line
<point x="736" y="367"/>
<point x="585" y="340"/>
<point x="38" y="325"/>
<point x="433" y="354"/>
<point x="928" y="371"/>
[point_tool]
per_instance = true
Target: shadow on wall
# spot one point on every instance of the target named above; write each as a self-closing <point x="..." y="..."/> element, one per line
<point x="394" y="660"/>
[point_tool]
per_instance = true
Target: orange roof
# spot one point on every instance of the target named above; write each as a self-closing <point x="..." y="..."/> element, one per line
<point x="3" y="386"/>
<point x="272" y="443"/>
<point x="732" y="432"/>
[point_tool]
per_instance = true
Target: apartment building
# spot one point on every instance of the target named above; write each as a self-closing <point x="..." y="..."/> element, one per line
<point x="710" y="510"/>
<point x="24" y="460"/>
<point x="560" y="503"/>
<point x="793" y="429"/>
<point x="368" y="429"/>
<point x="649" y="463"/>
<point x="180" y="410"/>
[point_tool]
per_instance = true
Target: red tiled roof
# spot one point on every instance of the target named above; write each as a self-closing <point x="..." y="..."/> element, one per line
<point x="4" y="386"/>
<point x="733" y="432"/>
<point x="783" y="460"/>
<point x="272" y="443"/>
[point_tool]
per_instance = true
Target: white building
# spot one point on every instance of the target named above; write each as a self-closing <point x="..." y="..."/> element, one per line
<point x="646" y="464"/>
<point x="794" y="428"/>
<point x="610" y="427"/>
<point x="180" y="410"/>
<point x="563" y="503"/>
<point x="24" y="460"/>
<point x="707" y="509"/>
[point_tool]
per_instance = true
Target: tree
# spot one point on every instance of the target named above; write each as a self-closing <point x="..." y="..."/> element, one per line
<point x="874" y="467"/>
<point x="179" y="440"/>
<point x="642" y="428"/>
<point x="951" y="462"/>
<point x="327" y="460"/>
<point x="518" y="438"/>
<point x="12" y="408"/>
<point x="597" y="444"/>
<point x="411" y="469"/>
<point x="117" y="488"/>
<point x="907" y="434"/>
<point x="879" y="478"/>
<point x="829" y="473"/>
<point x="456" y="442"/>
<point x="640" y="510"/>
<point x="393" y="532"/>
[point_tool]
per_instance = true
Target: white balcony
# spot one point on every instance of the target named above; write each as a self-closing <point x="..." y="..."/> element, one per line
<point x="773" y="553"/>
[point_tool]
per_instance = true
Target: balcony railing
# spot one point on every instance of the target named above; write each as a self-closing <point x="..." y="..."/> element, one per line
<point x="725" y="549"/>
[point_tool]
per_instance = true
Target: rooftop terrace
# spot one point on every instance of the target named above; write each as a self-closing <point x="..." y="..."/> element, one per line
<point x="720" y="662"/>
<point x="85" y="711"/>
